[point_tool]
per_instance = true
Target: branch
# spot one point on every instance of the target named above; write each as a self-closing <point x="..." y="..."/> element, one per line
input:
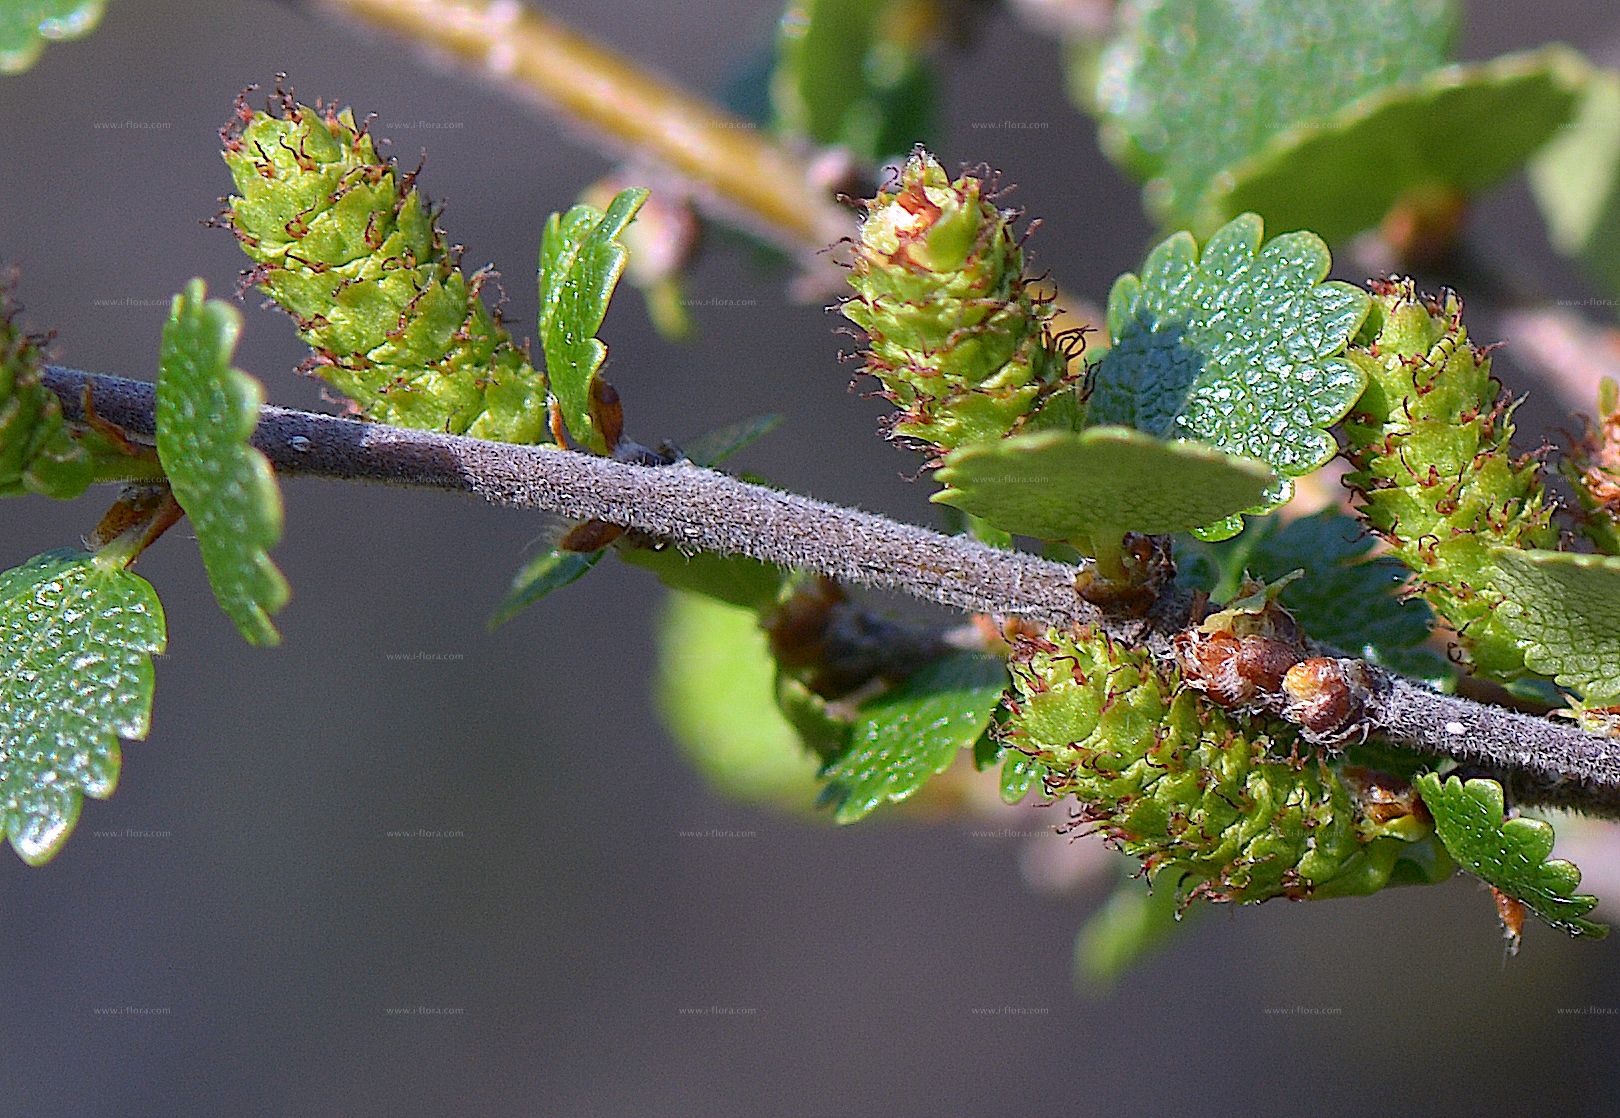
<point x="735" y="172"/>
<point x="694" y="508"/>
<point x="701" y="510"/>
<point x="751" y="178"/>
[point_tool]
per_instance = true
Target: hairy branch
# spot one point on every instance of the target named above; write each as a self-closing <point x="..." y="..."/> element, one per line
<point x="701" y="510"/>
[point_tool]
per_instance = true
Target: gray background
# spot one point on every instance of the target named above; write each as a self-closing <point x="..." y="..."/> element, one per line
<point x="240" y="889"/>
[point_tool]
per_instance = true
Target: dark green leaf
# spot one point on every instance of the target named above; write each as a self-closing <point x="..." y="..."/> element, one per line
<point x="1345" y="598"/>
<point x="1240" y="347"/>
<point x="716" y="446"/>
<point x="550" y="570"/>
<point x="1456" y="131"/>
<point x="914" y="731"/>
<point x="1190" y="88"/>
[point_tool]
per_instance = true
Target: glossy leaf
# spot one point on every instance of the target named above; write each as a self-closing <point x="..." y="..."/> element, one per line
<point x="1064" y="485"/>
<point x="77" y="636"/>
<point x="1019" y="773"/>
<point x="1455" y="131"/>
<point x="1510" y="854"/>
<point x="1239" y="346"/>
<point x="581" y="260"/>
<point x="26" y="26"/>
<point x="913" y="732"/>
<point x="1564" y="609"/>
<point x="1190" y="88"/>
<point x="206" y="413"/>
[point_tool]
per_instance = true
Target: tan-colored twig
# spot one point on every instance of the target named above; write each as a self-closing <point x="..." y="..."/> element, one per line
<point x="755" y="179"/>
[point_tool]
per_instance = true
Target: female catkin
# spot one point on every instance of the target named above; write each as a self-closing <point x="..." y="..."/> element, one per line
<point x="349" y="248"/>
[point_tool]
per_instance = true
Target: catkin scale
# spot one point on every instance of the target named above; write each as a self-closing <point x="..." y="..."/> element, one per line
<point x="1434" y="470"/>
<point x="349" y="248"/>
<point x="1228" y="812"/>
<point x="955" y="331"/>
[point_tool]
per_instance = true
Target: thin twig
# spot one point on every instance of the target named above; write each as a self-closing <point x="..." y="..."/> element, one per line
<point x="738" y="173"/>
<point x="702" y="510"/>
<point x="753" y="179"/>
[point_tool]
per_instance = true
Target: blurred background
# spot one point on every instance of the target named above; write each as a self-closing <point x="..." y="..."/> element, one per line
<point x="403" y="866"/>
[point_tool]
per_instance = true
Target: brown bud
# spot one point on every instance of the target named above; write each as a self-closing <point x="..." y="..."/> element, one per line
<point x="1233" y="671"/>
<point x="1383" y="797"/>
<point x="1325" y="696"/>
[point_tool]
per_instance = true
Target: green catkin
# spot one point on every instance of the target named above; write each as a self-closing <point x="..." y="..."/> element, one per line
<point x="955" y="332"/>
<point x="1213" y="809"/>
<point x="1430" y="442"/>
<point x="348" y="247"/>
<point x="38" y="453"/>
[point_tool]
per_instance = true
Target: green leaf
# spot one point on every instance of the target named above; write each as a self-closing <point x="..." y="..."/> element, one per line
<point x="206" y="412"/>
<point x="550" y="570"/>
<point x="1065" y="485"/>
<point x="1345" y="598"/>
<point x="1132" y="923"/>
<point x="1240" y="347"/>
<point x="77" y="635"/>
<point x="27" y="25"/>
<point x="581" y="260"/>
<point x="1511" y="854"/>
<point x="913" y="732"/>
<point x="1455" y="131"/>
<point x="1576" y="182"/>
<point x="1564" y="610"/>
<point x="716" y="446"/>
<point x="843" y="76"/>
<point x="716" y="688"/>
<point x="1190" y="88"/>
